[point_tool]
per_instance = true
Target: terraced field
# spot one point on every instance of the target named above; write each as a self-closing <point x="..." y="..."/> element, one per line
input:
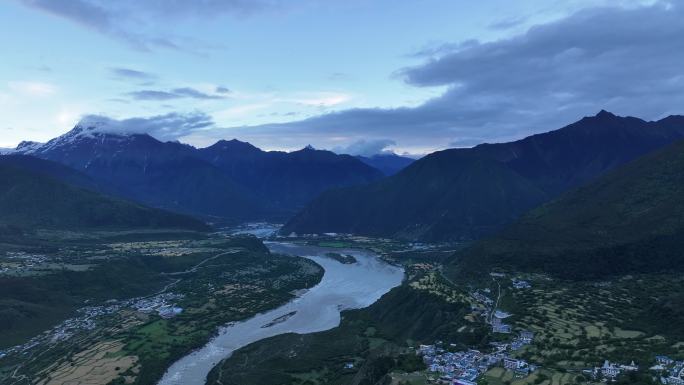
<point x="578" y="325"/>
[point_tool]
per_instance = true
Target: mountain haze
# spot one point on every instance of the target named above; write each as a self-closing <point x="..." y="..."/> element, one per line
<point x="389" y="164"/>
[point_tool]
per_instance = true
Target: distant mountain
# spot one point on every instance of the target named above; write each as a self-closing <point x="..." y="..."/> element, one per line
<point x="389" y="164"/>
<point x="631" y="220"/>
<point x="230" y="180"/>
<point x="286" y="181"/>
<point x="143" y="169"/>
<point x="31" y="199"/>
<point x="464" y="194"/>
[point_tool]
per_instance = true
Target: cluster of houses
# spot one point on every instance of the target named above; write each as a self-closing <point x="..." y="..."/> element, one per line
<point x="87" y="319"/>
<point x="161" y="304"/>
<point x="484" y="305"/>
<point x="610" y="370"/>
<point x="482" y="298"/>
<point x="16" y="263"/>
<point x="498" y="324"/>
<point x="671" y="371"/>
<point x="464" y="367"/>
<point x="457" y="368"/>
<point x="524" y="338"/>
<point x="520" y="284"/>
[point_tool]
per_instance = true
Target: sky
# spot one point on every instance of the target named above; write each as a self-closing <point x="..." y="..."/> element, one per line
<point x="357" y="76"/>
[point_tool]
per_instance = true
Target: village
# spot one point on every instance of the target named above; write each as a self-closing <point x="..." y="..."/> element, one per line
<point x="466" y="367"/>
<point x="20" y="263"/>
<point x="671" y="372"/>
<point x="162" y="304"/>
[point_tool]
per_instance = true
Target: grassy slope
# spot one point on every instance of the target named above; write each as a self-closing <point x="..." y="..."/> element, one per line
<point x="31" y="200"/>
<point x="631" y="220"/>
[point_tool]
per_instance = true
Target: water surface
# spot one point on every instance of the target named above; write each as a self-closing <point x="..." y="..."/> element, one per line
<point x="343" y="286"/>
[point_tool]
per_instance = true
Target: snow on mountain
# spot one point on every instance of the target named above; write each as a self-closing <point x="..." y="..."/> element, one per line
<point x="28" y="147"/>
<point x="90" y="127"/>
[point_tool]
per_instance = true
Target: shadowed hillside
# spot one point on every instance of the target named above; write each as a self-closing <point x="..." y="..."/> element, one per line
<point x="630" y="220"/>
<point x="29" y="199"/>
<point x="463" y="194"/>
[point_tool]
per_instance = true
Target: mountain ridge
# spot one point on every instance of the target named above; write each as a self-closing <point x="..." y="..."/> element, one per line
<point x="627" y="221"/>
<point x="532" y="170"/>
<point x="229" y="181"/>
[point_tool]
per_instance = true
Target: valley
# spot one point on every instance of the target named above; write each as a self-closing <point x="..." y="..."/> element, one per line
<point x="97" y="287"/>
<point x="572" y="328"/>
<point x="343" y="287"/>
<point x="133" y="303"/>
<point x="277" y="192"/>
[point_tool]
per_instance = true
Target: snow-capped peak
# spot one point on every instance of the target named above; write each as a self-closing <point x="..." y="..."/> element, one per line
<point x="91" y="124"/>
<point x="89" y="127"/>
<point x="27" y="147"/>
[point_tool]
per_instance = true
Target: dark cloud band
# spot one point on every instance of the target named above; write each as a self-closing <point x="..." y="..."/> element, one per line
<point x="627" y="60"/>
<point x="177" y="93"/>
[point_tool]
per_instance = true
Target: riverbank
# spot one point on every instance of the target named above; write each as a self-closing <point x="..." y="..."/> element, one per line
<point x="343" y="286"/>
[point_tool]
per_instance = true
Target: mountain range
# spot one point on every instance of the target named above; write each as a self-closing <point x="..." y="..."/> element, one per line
<point x="630" y="220"/>
<point x="229" y="181"/>
<point x="286" y="181"/>
<point x="464" y="194"/>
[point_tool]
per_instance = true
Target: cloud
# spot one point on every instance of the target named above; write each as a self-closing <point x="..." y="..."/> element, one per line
<point x="33" y="88"/>
<point x="434" y="49"/>
<point x="318" y="99"/>
<point x="176" y="93"/>
<point x="365" y="147"/>
<point x="127" y="20"/>
<point x="93" y="15"/>
<point x="153" y="95"/>
<point x="508" y="23"/>
<point x="163" y="127"/>
<point x="205" y="8"/>
<point x="625" y="60"/>
<point x="222" y="90"/>
<point x="131" y="74"/>
<point x="193" y="93"/>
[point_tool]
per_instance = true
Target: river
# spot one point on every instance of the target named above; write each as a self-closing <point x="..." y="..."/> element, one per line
<point x="343" y="286"/>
